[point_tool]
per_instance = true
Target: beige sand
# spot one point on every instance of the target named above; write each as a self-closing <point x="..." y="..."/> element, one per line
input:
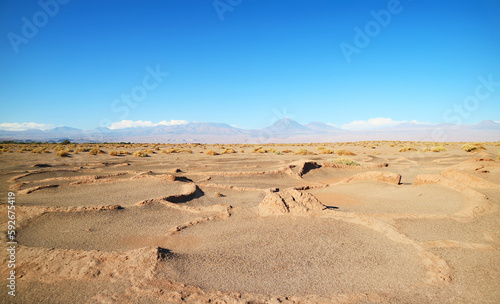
<point x="409" y="227"/>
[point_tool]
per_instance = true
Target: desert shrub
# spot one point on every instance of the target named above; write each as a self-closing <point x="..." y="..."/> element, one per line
<point x="63" y="153"/>
<point x="326" y="151"/>
<point x="37" y="150"/>
<point x="228" y="150"/>
<point x="156" y="148"/>
<point x="438" y="148"/>
<point x="141" y="154"/>
<point x="82" y="149"/>
<point x="259" y="150"/>
<point x="118" y="153"/>
<point x="287" y="151"/>
<point x="175" y="150"/>
<point x="211" y="152"/>
<point x="95" y="151"/>
<point x="277" y="152"/>
<point x="304" y="152"/>
<point x="321" y="148"/>
<point x="469" y="147"/>
<point x="344" y="161"/>
<point x="405" y="149"/>
<point x="342" y="152"/>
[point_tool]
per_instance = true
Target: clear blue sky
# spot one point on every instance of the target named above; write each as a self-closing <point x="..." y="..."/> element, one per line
<point x="264" y="60"/>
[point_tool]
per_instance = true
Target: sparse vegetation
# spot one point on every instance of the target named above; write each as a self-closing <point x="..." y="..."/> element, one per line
<point x="406" y="149"/>
<point x="141" y="153"/>
<point x="343" y="161"/>
<point x="342" y="152"/>
<point x="438" y="149"/>
<point x="95" y="151"/>
<point x="228" y="150"/>
<point x="118" y="153"/>
<point x="304" y="152"/>
<point x="63" y="153"/>
<point x="211" y="152"/>
<point x="470" y="147"/>
<point x="259" y="150"/>
<point x="326" y="151"/>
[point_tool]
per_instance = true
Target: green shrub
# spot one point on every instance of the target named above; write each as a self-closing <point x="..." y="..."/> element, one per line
<point x="344" y="161"/>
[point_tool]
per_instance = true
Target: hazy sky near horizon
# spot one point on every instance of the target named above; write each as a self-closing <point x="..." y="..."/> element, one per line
<point x="249" y="63"/>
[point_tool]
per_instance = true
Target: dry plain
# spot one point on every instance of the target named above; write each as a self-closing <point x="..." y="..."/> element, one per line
<point x="387" y="222"/>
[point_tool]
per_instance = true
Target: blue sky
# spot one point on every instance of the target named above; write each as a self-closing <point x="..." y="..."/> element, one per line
<point x="248" y="63"/>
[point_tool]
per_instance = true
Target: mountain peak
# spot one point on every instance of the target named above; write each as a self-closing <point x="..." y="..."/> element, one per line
<point x="287" y="125"/>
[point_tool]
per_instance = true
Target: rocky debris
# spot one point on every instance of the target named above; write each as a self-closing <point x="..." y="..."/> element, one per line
<point x="379" y="176"/>
<point x="289" y="201"/>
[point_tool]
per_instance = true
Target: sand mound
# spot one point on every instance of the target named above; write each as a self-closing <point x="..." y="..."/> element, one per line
<point x="289" y="201"/>
<point x="302" y="167"/>
<point x="469" y="179"/>
<point x="134" y="265"/>
<point x="387" y="177"/>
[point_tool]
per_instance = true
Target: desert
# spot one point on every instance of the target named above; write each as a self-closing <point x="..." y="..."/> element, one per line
<point x="352" y="222"/>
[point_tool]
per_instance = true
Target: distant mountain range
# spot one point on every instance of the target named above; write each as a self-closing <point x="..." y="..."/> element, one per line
<point x="285" y="130"/>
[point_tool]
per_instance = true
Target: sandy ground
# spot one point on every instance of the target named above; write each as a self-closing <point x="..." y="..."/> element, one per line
<point x="402" y="227"/>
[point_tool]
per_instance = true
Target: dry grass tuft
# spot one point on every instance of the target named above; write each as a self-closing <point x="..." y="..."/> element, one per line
<point x="63" y="153"/>
<point x="342" y="152"/>
<point x="228" y="150"/>
<point x="470" y="147"/>
<point x="438" y="149"/>
<point x="95" y="151"/>
<point x="141" y="154"/>
<point x="343" y="161"/>
<point x="326" y="151"/>
<point x="118" y="153"/>
<point x="304" y="152"/>
<point x="211" y="152"/>
<point x="405" y="149"/>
